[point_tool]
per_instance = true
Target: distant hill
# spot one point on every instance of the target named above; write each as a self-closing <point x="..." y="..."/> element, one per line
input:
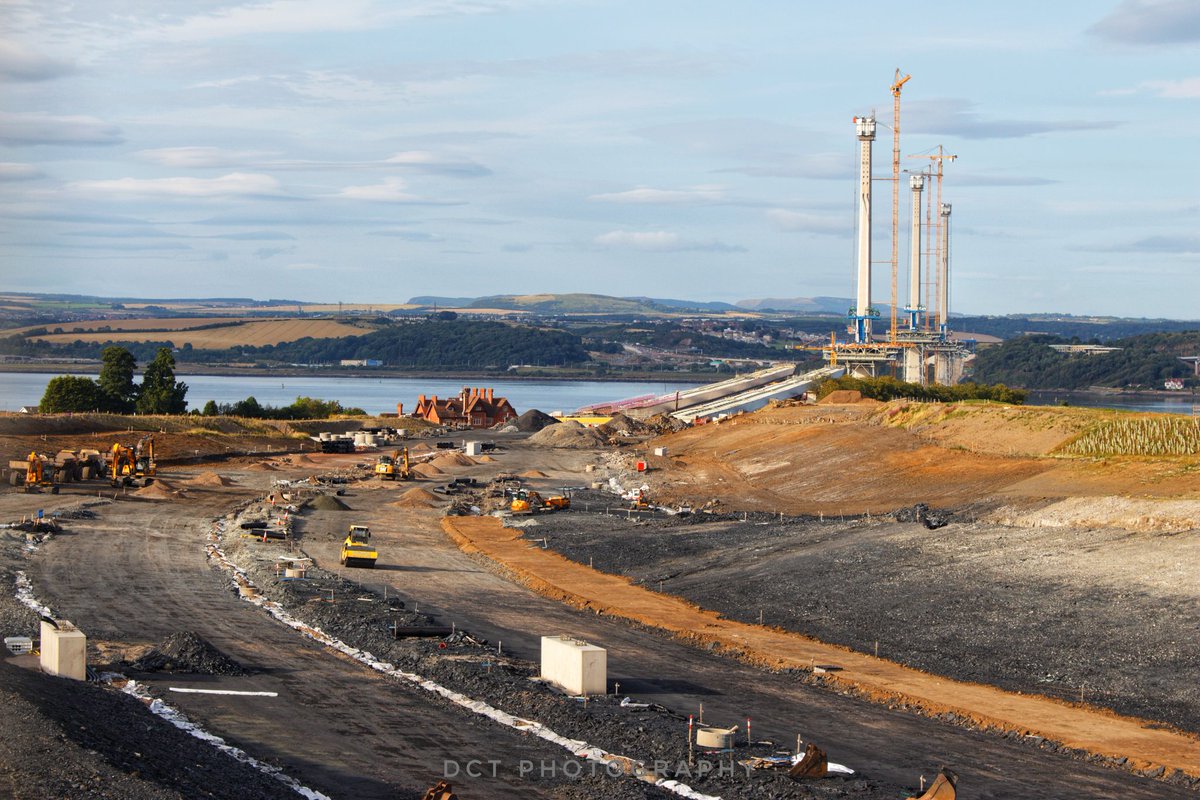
<point x="806" y="305"/>
<point x="577" y="303"/>
<point x="685" y="305"/>
<point x="441" y="302"/>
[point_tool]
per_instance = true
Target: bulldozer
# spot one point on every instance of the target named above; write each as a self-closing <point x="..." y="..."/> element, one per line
<point x="127" y="465"/>
<point x="394" y="467"/>
<point x="35" y="472"/>
<point x="357" y="550"/>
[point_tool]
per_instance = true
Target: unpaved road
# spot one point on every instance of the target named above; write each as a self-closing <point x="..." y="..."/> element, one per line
<point x="418" y="561"/>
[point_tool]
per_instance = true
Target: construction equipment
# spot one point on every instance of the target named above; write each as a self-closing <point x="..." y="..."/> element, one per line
<point x="127" y="465"/>
<point x="34" y="472"/>
<point x="441" y="790"/>
<point x="527" y="501"/>
<point x="558" y="502"/>
<point x="357" y="550"/>
<point x="394" y="466"/>
<point x="814" y="764"/>
<point x="640" y="502"/>
<point x="942" y="788"/>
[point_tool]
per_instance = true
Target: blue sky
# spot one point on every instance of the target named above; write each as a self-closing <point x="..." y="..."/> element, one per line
<point x="369" y="151"/>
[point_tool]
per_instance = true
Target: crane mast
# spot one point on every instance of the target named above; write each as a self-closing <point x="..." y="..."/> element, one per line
<point x="897" y="84"/>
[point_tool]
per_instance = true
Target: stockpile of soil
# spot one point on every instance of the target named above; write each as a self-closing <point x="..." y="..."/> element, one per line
<point x="569" y="434"/>
<point x="264" y="466"/>
<point x="159" y="490"/>
<point x="665" y="423"/>
<point x="188" y="652"/>
<point x="484" y="459"/>
<point x="620" y="423"/>
<point x="416" y="498"/>
<point x="453" y="460"/>
<point x="533" y="473"/>
<point x="210" y="479"/>
<point x="533" y="421"/>
<point x="327" y="502"/>
<point x="429" y="470"/>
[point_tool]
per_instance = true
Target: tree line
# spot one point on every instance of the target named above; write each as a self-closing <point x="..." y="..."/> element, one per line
<point x="115" y="391"/>
<point x="889" y="388"/>
<point x="1142" y="361"/>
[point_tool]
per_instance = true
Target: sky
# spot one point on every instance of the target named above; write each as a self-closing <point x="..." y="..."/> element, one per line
<point x="374" y="150"/>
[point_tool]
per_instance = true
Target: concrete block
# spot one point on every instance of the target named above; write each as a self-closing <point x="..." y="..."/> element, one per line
<point x="474" y="448"/>
<point x="660" y="451"/>
<point x="64" y="650"/>
<point x="574" y="666"/>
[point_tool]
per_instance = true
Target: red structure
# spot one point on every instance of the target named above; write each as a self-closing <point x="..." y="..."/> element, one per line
<point x="473" y="407"/>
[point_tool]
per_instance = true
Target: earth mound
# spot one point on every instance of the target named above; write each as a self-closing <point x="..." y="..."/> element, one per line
<point x="453" y="460"/>
<point x="327" y="502"/>
<point x="622" y="423"/>
<point x="841" y="396"/>
<point x="188" y="652"/>
<point x="533" y="473"/>
<point x="484" y="459"/>
<point x="416" y="498"/>
<point x="159" y="490"/>
<point x="428" y="470"/>
<point x="533" y="421"/>
<point x="569" y="434"/>
<point x="209" y="479"/>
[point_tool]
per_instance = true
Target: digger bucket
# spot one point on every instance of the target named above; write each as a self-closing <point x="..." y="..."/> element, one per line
<point x="440" y="791"/>
<point x="942" y="787"/>
<point x="815" y="764"/>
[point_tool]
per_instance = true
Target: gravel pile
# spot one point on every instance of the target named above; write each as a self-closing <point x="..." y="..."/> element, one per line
<point x="623" y="424"/>
<point x="533" y="421"/>
<point x="570" y="435"/>
<point x="188" y="652"/>
<point x="327" y="502"/>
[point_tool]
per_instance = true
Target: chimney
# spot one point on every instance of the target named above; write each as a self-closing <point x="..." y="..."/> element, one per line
<point x="420" y="400"/>
<point x="489" y="394"/>
<point x="399" y="409"/>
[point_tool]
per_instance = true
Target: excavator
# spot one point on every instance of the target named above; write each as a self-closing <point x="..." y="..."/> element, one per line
<point x="39" y="471"/>
<point x="394" y="466"/>
<point x="357" y="550"/>
<point x="130" y="464"/>
<point x="527" y="501"/>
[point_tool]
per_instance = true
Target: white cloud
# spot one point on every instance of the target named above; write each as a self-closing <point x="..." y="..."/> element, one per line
<point x="303" y="267"/>
<point x="10" y="171"/>
<point x="798" y="221"/>
<point x="660" y="242"/>
<point x="1183" y="89"/>
<point x="35" y="128"/>
<point x="19" y="62"/>
<point x="200" y="156"/>
<point x="698" y="195"/>
<point x="235" y="184"/>
<point x="392" y="190"/>
<point x="1151" y="22"/>
<point x="956" y="117"/>
<point x="428" y="161"/>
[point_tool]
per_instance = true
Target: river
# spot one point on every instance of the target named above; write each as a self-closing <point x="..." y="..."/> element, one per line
<point x="381" y="394"/>
<point x="373" y="395"/>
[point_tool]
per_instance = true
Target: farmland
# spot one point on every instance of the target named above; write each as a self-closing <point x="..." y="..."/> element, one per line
<point x="205" y="333"/>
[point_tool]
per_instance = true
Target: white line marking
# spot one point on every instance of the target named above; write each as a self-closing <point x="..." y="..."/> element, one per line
<point x="222" y="691"/>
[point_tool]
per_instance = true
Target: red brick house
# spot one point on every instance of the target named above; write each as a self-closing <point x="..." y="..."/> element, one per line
<point x="476" y="408"/>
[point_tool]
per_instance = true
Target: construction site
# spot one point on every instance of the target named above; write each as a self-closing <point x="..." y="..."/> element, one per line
<point x="733" y="591"/>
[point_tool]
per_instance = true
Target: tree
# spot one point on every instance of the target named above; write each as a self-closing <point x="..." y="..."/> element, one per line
<point x="210" y="409"/>
<point x="116" y="379"/>
<point x="71" y="393"/>
<point x="160" y="393"/>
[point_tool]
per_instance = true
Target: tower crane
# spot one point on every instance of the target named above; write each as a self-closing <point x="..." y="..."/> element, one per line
<point x="897" y="84"/>
<point x="938" y="158"/>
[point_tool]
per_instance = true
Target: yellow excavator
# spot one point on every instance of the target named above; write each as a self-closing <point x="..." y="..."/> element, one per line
<point x="38" y="471"/>
<point x="527" y="501"/>
<point x="357" y="550"/>
<point x="128" y="465"/>
<point x="394" y="466"/>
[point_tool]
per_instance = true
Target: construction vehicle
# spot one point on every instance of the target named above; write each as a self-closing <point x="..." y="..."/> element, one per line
<point x="127" y="465"/>
<point x="357" y="550"/>
<point x="35" y="472"/>
<point x="640" y="502"/>
<point x="527" y="501"/>
<point x="394" y="466"/>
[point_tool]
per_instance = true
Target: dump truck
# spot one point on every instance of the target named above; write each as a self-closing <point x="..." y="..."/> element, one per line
<point x="357" y="550"/>
<point x="394" y="467"/>
<point x="128" y="465"/>
<point x="33" y="473"/>
<point x="527" y="501"/>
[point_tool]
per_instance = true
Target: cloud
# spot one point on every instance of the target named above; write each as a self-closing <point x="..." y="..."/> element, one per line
<point x="255" y="236"/>
<point x="313" y="16"/>
<point x="517" y="247"/>
<point x="817" y="166"/>
<point x="967" y="179"/>
<point x="801" y="222"/>
<point x="303" y="267"/>
<point x="955" y="117"/>
<point x="1182" y="89"/>
<point x="1173" y="245"/>
<point x="1151" y="22"/>
<point x="269" y="252"/>
<point x="10" y="171"/>
<point x="200" y="156"/>
<point x="235" y="184"/>
<point x="392" y="190"/>
<point x="35" y="128"/>
<point x="21" y="63"/>
<point x="660" y="242"/>
<point x="408" y="236"/>
<point x="699" y="195"/>
<point x="426" y="161"/>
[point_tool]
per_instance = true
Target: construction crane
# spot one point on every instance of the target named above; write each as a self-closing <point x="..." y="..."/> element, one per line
<point x="897" y="84"/>
<point x="935" y="276"/>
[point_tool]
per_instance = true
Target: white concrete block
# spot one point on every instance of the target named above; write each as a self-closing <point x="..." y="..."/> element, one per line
<point x="660" y="451"/>
<point x="474" y="448"/>
<point x="574" y="666"/>
<point x="64" y="650"/>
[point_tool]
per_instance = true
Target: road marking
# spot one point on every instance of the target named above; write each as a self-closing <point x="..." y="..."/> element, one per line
<point x="223" y="691"/>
